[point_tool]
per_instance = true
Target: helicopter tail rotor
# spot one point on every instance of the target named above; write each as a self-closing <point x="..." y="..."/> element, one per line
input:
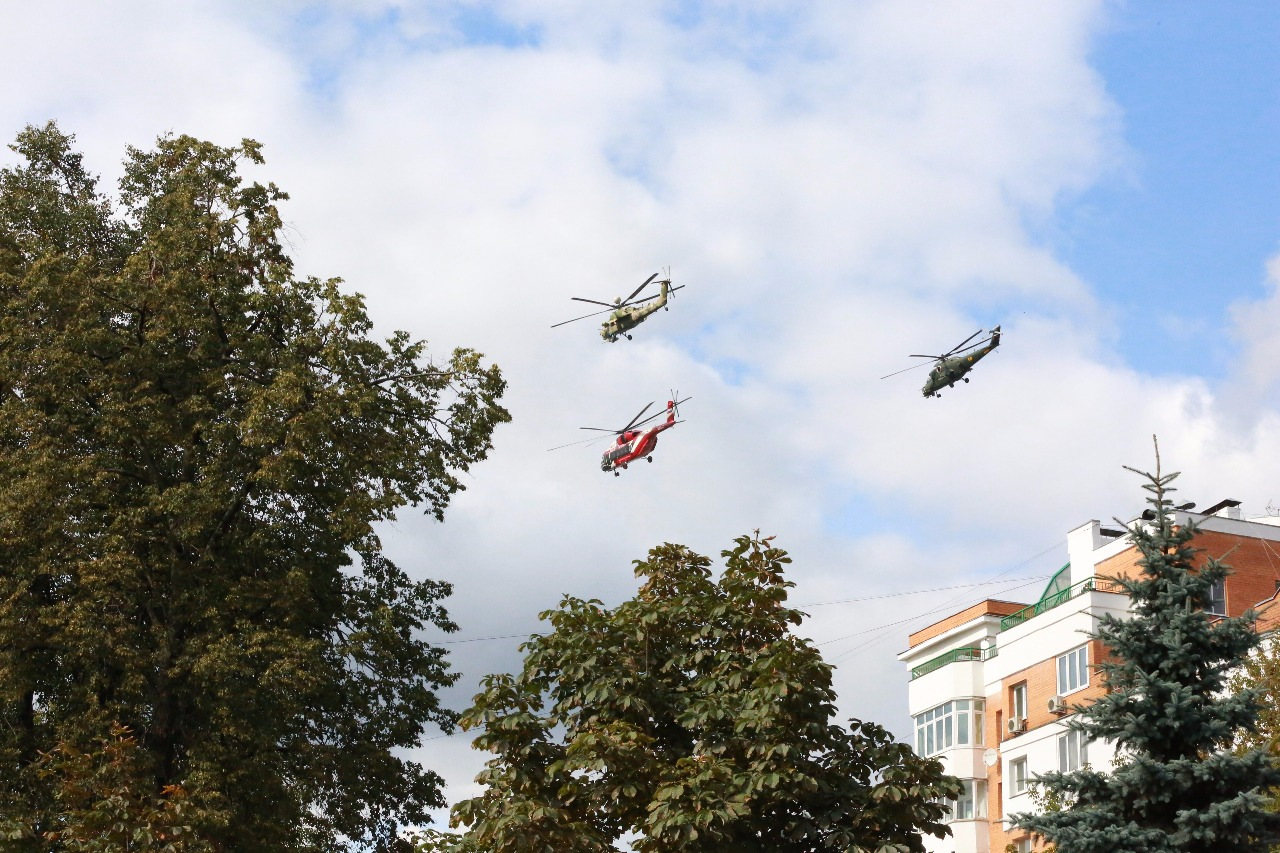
<point x="676" y="401"/>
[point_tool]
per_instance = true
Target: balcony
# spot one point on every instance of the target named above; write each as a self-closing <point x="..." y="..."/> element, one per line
<point x="967" y="653"/>
<point x="1061" y="597"/>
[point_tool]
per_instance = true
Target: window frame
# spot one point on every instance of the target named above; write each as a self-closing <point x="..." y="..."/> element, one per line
<point x="1072" y="744"/>
<point x="955" y="723"/>
<point x="1073" y="664"/>
<point x="1018" y="695"/>
<point x="972" y="802"/>
<point x="1019" y="783"/>
<point x="1217" y="598"/>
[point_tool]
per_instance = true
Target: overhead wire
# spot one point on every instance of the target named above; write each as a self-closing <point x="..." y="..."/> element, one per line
<point x="989" y="582"/>
<point x="945" y="605"/>
<point x="883" y="629"/>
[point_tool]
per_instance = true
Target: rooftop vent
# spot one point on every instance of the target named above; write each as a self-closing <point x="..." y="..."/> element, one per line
<point x="1225" y="508"/>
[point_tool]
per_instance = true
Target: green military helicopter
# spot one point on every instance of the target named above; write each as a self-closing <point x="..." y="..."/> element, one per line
<point x="626" y="314"/>
<point x="953" y="365"/>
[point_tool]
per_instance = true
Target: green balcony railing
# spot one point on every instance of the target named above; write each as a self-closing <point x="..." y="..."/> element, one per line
<point x="967" y="653"/>
<point x="1058" y="598"/>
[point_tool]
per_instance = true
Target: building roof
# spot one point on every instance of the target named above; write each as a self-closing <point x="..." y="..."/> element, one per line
<point x="990" y="607"/>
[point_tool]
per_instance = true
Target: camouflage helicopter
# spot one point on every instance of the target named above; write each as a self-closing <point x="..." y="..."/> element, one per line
<point x="953" y="365"/>
<point x="626" y="314"/>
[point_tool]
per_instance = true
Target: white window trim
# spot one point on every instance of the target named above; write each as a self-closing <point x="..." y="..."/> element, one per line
<point x="1064" y="752"/>
<point x="1013" y="777"/>
<point x="1058" y="670"/>
<point x="963" y="724"/>
<point x="976" y="789"/>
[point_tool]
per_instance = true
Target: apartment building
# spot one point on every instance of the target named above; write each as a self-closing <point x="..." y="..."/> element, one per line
<point x="992" y="686"/>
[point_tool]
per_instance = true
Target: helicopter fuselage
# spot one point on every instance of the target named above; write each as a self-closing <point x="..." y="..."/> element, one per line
<point x="636" y="444"/>
<point x="948" y="371"/>
<point x="625" y="319"/>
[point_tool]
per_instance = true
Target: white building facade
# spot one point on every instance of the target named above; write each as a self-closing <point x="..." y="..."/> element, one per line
<point x="993" y="686"/>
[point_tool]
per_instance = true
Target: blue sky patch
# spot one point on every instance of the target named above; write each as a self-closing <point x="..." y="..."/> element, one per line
<point x="1170" y="244"/>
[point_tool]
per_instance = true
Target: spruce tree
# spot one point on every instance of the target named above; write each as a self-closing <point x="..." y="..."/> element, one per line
<point x="1177" y="785"/>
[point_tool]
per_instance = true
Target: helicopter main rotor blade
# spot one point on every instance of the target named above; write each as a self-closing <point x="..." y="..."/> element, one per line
<point x="602" y="429"/>
<point x="641" y="287"/>
<point x="636" y="418"/>
<point x="652" y="417"/>
<point x="971" y="347"/>
<point x="917" y="355"/>
<point x="905" y="369"/>
<point x="583" y="317"/>
<point x="594" y="301"/>
<point x="574" y="443"/>
<point x="965" y="341"/>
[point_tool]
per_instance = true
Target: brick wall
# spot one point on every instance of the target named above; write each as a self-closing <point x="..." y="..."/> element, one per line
<point x="1255" y="565"/>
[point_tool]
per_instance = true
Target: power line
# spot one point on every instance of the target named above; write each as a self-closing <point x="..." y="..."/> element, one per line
<point x="918" y="591"/>
<point x="807" y="604"/>
<point x="885" y="634"/>
<point x="949" y="603"/>
<point x="945" y="606"/>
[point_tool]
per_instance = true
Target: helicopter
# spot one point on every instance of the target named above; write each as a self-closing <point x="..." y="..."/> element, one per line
<point x="633" y="442"/>
<point x="626" y="314"/>
<point x="953" y="365"/>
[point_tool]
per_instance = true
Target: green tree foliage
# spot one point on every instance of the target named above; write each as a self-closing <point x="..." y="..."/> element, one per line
<point x="102" y="802"/>
<point x="1177" y="784"/>
<point x="689" y="718"/>
<point x="1261" y="673"/>
<point x="195" y="447"/>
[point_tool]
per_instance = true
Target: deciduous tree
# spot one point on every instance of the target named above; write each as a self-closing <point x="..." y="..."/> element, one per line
<point x="195" y="446"/>
<point x="690" y="718"/>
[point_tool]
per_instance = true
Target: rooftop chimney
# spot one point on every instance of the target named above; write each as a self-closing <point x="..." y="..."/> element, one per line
<point x="1225" y="509"/>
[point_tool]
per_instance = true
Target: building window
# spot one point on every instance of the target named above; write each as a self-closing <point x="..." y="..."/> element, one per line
<point x="1022" y="845"/>
<point x="1073" y="670"/>
<point x="1018" y="776"/>
<point x="956" y="723"/>
<point x="1018" y="701"/>
<point x="972" y="804"/>
<point x="1218" y="597"/>
<point x="1071" y="751"/>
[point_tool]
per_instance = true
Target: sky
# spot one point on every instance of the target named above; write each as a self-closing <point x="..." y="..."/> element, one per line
<point x="837" y="185"/>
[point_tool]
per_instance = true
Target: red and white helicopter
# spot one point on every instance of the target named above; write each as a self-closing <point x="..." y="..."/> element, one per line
<point x="633" y="442"/>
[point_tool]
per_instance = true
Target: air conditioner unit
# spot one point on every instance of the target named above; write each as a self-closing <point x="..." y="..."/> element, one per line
<point x="1058" y="705"/>
<point x="1017" y="726"/>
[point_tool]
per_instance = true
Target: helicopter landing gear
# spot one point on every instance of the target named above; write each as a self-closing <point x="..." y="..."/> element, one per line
<point x="648" y="459"/>
<point x="628" y="337"/>
<point x="966" y="379"/>
<point x="616" y="474"/>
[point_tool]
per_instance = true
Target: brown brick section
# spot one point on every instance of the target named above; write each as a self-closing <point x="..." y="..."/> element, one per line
<point x="1042" y="684"/>
<point x="1255" y="578"/>
<point x="1255" y="565"/>
<point x="990" y="607"/>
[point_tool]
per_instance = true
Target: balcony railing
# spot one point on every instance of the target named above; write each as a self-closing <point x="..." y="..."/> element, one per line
<point x="968" y="653"/>
<point x="1051" y="601"/>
